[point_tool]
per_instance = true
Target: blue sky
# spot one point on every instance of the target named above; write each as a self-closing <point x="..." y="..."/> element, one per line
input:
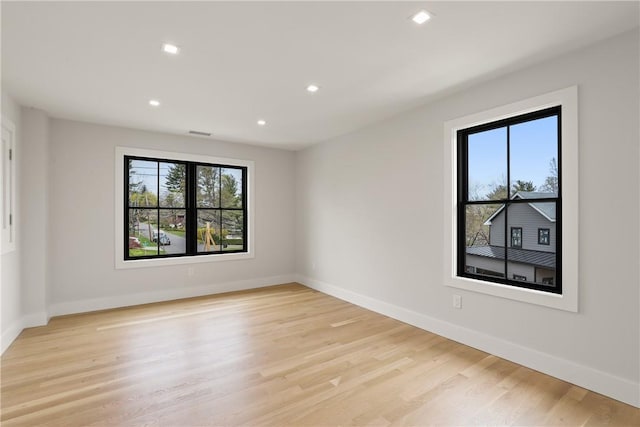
<point x="533" y="145"/>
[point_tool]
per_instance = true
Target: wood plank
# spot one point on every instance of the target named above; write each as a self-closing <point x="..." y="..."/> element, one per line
<point x="284" y="355"/>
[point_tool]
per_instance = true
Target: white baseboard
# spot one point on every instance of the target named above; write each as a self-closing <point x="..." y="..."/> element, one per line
<point x="10" y="334"/>
<point x="83" y="306"/>
<point x="35" y="319"/>
<point x="27" y="321"/>
<point x="601" y="382"/>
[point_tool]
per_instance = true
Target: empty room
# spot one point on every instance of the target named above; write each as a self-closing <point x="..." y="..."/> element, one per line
<point x="332" y="213"/>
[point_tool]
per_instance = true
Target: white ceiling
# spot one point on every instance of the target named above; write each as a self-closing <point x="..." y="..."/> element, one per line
<point x="241" y="61"/>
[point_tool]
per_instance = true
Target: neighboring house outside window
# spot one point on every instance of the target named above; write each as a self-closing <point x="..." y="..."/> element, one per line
<point x="527" y="257"/>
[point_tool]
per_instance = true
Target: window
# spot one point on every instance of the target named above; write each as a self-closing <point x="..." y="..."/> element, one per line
<point x="543" y="236"/>
<point x="482" y="206"/>
<point x="178" y="208"/>
<point x="508" y="173"/>
<point x="516" y="237"/>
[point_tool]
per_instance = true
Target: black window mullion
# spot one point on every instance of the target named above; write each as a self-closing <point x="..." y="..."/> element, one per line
<point x="127" y="219"/>
<point x="191" y="211"/>
<point x="506" y="205"/>
<point x="219" y="187"/>
<point x="157" y="207"/>
<point x="463" y="195"/>
<point x="220" y="219"/>
<point x="219" y="209"/>
<point x="245" y="229"/>
<point x="559" y="206"/>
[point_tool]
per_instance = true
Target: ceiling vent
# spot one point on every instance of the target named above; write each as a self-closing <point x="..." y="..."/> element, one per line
<point x="197" y="132"/>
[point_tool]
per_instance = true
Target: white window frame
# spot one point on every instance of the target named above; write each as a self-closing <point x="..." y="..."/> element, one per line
<point x="568" y="300"/>
<point x="8" y="186"/>
<point x="121" y="263"/>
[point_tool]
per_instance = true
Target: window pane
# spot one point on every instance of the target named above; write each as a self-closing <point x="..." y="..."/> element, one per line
<point x="484" y="239"/>
<point x="208" y="230"/>
<point x="208" y="191"/>
<point x="532" y="262"/>
<point x="143" y="183"/>
<point x="143" y="225"/>
<point x="172" y="184"/>
<point x="533" y="156"/>
<point x="487" y="154"/>
<point x="544" y="236"/>
<point x="516" y="237"/>
<point x="232" y="230"/>
<point x="172" y="231"/>
<point x="231" y="187"/>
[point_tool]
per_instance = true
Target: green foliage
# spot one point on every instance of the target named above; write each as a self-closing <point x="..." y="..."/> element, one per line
<point x="523" y="186"/>
<point x="143" y="198"/>
<point x="234" y="242"/>
<point x="216" y="189"/>
<point x="229" y="192"/>
<point x="176" y="178"/>
<point x="499" y="192"/>
<point x="175" y="183"/>
<point x="145" y="243"/>
<point x="133" y="252"/>
<point x="208" y="183"/>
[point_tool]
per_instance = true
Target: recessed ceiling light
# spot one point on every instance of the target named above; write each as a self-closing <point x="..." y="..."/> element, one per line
<point x="170" y="48"/>
<point x="421" y="17"/>
<point x="313" y="88"/>
<point x="261" y="122"/>
<point x="154" y="102"/>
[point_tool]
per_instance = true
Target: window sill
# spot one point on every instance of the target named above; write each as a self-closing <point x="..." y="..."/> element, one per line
<point x="567" y="301"/>
<point x="159" y="262"/>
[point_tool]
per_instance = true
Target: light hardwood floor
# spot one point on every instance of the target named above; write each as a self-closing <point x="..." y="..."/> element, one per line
<point x="286" y="356"/>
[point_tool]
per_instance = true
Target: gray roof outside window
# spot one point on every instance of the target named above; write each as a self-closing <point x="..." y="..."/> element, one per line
<point x="524" y="256"/>
<point x="546" y="209"/>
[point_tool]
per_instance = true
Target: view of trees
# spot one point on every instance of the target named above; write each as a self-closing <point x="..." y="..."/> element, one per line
<point x="139" y="196"/>
<point x="219" y="188"/>
<point x="158" y="201"/>
<point x="551" y="182"/>
<point x="174" y="183"/>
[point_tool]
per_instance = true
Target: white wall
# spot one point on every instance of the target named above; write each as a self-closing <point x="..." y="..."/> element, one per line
<point x="81" y="218"/>
<point x="11" y="298"/>
<point x="34" y="191"/>
<point x="370" y="220"/>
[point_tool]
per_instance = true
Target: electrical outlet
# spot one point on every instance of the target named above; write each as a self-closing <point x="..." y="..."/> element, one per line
<point x="457" y="301"/>
<point x="191" y="271"/>
<point x="313" y="266"/>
